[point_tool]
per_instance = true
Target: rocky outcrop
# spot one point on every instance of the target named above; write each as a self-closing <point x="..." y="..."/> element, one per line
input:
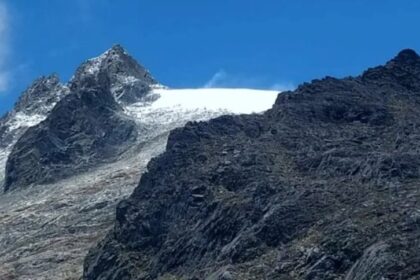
<point x="322" y="186"/>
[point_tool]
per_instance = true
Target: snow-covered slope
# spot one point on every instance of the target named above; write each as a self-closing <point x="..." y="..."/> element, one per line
<point x="235" y="100"/>
<point x="175" y="107"/>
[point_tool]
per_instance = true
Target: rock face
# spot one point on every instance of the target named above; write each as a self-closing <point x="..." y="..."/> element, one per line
<point x="322" y="186"/>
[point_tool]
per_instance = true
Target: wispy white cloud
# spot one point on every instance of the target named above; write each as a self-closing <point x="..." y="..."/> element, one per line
<point x="4" y="46"/>
<point x="223" y="79"/>
<point x="217" y="79"/>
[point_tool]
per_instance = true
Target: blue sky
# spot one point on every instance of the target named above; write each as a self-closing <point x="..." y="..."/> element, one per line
<point x="189" y="43"/>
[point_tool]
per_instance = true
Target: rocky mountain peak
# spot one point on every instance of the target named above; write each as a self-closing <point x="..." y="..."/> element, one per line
<point x="87" y="123"/>
<point x="129" y="81"/>
<point x="117" y="51"/>
<point x="41" y="96"/>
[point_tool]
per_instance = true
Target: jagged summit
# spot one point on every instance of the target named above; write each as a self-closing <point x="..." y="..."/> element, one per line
<point x="129" y="81"/>
<point x="42" y="95"/>
<point x="117" y="50"/>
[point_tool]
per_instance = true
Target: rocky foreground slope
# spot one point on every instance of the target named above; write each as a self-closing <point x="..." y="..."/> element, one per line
<point x="325" y="185"/>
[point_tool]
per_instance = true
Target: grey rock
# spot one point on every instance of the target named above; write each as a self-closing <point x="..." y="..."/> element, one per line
<point x="373" y="264"/>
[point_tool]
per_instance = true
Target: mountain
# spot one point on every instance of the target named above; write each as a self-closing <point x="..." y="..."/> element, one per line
<point x="75" y="153"/>
<point x="87" y="127"/>
<point x="322" y="186"/>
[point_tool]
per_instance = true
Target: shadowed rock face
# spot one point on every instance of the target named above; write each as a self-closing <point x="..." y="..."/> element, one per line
<point x="85" y="129"/>
<point x="322" y="186"/>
